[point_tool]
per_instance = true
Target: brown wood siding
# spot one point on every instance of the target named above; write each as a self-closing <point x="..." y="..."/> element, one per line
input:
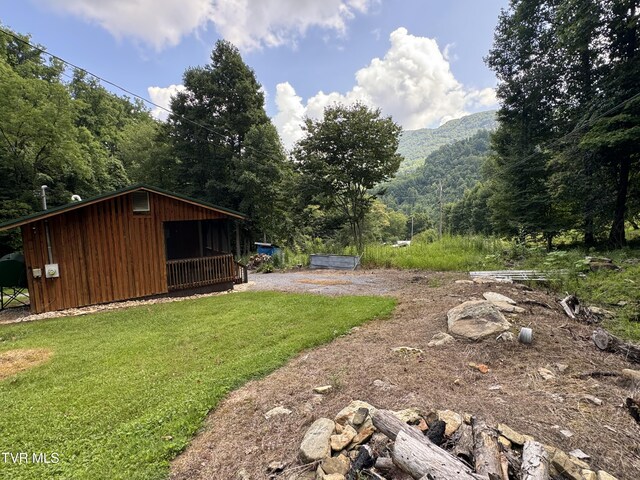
<point x="105" y="252"/>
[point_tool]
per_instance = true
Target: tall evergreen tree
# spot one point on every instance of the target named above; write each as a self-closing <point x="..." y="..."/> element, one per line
<point x="524" y="59"/>
<point x="210" y="119"/>
<point x="616" y="129"/>
<point x="569" y="76"/>
<point x="578" y="180"/>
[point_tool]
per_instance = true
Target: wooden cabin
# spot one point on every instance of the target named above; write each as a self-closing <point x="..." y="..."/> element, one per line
<point x="135" y="242"/>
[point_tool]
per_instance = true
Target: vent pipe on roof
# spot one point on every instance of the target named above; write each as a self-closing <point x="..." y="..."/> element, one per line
<point x="76" y="198"/>
<point x="43" y="194"/>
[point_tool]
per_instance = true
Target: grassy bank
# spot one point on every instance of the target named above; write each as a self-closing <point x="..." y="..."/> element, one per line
<point x="124" y="391"/>
<point x="450" y="253"/>
<point x="617" y="291"/>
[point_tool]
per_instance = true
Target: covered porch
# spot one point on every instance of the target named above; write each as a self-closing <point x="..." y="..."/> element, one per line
<point x="198" y="254"/>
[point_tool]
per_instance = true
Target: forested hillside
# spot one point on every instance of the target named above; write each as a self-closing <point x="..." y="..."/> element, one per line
<point x="416" y="145"/>
<point x="565" y="155"/>
<point x="456" y="167"/>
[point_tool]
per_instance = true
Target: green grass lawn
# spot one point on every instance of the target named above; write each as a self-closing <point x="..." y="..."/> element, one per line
<point x="125" y="391"/>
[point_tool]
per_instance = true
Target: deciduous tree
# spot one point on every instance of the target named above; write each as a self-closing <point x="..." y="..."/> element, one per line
<point x="345" y="155"/>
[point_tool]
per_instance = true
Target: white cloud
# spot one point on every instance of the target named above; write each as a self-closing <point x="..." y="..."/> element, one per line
<point x="249" y="24"/>
<point x="290" y="114"/>
<point x="158" y="23"/>
<point x="413" y="83"/>
<point x="162" y="96"/>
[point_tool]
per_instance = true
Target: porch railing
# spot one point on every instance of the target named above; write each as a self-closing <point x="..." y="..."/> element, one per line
<point x="199" y="272"/>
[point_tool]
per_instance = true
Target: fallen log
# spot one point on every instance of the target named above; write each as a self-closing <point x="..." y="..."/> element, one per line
<point x="514" y="461"/>
<point x="486" y="453"/>
<point x="610" y="343"/>
<point x="417" y="455"/>
<point x="387" y="423"/>
<point x="504" y="466"/>
<point x="535" y="462"/>
<point x="384" y="464"/>
<point x="423" y="460"/>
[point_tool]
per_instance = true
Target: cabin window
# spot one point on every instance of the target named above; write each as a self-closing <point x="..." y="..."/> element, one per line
<point x="140" y="202"/>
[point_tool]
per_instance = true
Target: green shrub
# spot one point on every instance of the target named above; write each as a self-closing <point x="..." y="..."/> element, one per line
<point x="427" y="236"/>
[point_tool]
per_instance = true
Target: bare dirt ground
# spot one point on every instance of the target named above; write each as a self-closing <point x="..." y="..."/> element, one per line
<point x="14" y="361"/>
<point x="238" y="442"/>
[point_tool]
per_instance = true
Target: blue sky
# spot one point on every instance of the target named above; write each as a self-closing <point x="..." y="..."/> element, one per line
<point x="418" y="60"/>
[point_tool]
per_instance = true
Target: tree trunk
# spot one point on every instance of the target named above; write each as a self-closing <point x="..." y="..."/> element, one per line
<point x="617" y="235"/>
<point x="589" y="237"/>
<point x="464" y="443"/>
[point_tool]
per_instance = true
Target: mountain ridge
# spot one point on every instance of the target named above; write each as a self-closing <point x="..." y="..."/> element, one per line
<point x="416" y="145"/>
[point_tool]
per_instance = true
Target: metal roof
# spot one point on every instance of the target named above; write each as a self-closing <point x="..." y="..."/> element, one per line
<point x="105" y="196"/>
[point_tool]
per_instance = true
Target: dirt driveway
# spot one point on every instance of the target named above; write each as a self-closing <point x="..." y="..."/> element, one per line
<point x="238" y="442"/>
<point x="331" y="282"/>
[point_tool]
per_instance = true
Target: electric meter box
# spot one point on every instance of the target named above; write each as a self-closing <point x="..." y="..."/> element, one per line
<point x="51" y="270"/>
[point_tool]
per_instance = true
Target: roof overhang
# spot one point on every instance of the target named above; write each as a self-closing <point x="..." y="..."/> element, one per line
<point x="43" y="215"/>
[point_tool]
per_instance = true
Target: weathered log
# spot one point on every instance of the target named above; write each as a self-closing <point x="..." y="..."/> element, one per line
<point x="486" y="453"/>
<point x="422" y="459"/>
<point x="384" y="464"/>
<point x="386" y="422"/>
<point x="463" y="440"/>
<point x="504" y="465"/>
<point x="514" y="462"/>
<point x="535" y="462"/>
<point x="610" y="343"/>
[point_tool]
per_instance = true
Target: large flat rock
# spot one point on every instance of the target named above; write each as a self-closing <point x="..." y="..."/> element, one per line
<point x="476" y="320"/>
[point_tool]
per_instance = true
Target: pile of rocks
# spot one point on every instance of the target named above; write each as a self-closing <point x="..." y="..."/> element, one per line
<point x="365" y="442"/>
<point x="596" y="264"/>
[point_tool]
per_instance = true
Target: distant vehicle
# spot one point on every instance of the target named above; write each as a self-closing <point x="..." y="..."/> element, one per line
<point x="402" y="243"/>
